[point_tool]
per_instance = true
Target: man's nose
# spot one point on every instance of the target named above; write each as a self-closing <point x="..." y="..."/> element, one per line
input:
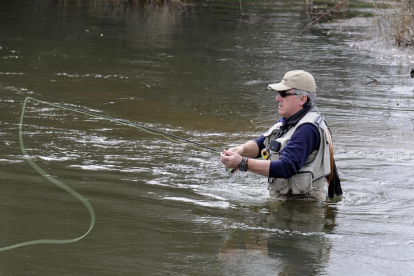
<point x="278" y="98"/>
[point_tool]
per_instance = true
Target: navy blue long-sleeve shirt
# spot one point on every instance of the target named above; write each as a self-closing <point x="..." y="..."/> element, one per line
<point x="294" y="155"/>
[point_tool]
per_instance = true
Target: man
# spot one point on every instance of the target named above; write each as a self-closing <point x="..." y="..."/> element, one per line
<point x="297" y="150"/>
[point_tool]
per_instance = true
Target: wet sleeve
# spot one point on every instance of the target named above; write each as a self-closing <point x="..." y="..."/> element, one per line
<point x="294" y="155"/>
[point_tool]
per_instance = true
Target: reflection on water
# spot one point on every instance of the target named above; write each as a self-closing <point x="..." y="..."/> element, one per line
<point x="292" y="234"/>
<point x="199" y="72"/>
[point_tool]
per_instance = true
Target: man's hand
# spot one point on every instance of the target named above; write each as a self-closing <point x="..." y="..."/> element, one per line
<point x="231" y="159"/>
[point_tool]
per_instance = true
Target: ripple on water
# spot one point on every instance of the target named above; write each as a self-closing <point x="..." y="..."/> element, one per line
<point x="204" y="203"/>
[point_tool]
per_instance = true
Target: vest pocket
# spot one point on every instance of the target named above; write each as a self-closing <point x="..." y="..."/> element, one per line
<point x="280" y="185"/>
<point x="301" y="183"/>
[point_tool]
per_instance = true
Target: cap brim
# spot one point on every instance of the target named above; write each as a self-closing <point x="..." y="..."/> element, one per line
<point x="279" y="87"/>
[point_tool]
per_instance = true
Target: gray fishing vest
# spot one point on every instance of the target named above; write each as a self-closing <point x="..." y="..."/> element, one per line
<point x="316" y="168"/>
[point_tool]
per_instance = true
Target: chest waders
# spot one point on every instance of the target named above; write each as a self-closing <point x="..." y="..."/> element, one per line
<point x="312" y="176"/>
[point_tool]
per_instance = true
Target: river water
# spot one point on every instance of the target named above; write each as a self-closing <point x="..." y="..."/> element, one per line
<point x="200" y="72"/>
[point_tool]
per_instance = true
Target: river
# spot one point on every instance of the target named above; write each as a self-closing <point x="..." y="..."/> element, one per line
<point x="163" y="207"/>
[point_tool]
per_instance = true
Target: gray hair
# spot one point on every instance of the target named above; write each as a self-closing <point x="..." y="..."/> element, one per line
<point x="311" y="96"/>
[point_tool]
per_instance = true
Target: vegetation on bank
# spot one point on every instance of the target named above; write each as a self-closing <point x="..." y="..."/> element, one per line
<point x="134" y="3"/>
<point x="398" y="22"/>
<point x="395" y="19"/>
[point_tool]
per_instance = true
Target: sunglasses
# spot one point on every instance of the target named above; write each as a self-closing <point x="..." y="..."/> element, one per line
<point x="285" y="94"/>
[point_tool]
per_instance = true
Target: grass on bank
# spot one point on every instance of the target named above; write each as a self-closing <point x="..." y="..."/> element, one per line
<point x="397" y="22"/>
<point x="395" y="19"/>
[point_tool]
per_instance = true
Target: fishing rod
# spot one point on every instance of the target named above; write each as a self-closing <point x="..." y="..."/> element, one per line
<point x="150" y="130"/>
<point x="166" y="135"/>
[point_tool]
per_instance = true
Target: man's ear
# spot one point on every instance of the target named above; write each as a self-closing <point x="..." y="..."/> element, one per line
<point x="303" y="100"/>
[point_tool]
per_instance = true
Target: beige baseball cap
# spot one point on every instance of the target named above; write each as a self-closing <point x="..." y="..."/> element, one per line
<point x="298" y="79"/>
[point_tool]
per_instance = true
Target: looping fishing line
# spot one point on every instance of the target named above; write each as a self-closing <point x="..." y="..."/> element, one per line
<point x="56" y="182"/>
<point x="71" y="191"/>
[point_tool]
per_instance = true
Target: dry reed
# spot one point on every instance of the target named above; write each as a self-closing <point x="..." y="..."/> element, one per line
<point x="397" y="22"/>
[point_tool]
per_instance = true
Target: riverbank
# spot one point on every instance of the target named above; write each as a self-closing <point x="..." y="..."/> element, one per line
<point x="397" y="23"/>
<point x="370" y="38"/>
<point x="394" y="19"/>
<point x="385" y="34"/>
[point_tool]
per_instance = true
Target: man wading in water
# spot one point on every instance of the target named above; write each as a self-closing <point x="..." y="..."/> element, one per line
<point x="297" y="149"/>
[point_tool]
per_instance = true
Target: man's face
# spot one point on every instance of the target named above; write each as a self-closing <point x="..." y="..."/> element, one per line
<point x="289" y="103"/>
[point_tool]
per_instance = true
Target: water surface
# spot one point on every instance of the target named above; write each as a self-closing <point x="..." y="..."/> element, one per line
<point x="201" y="73"/>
